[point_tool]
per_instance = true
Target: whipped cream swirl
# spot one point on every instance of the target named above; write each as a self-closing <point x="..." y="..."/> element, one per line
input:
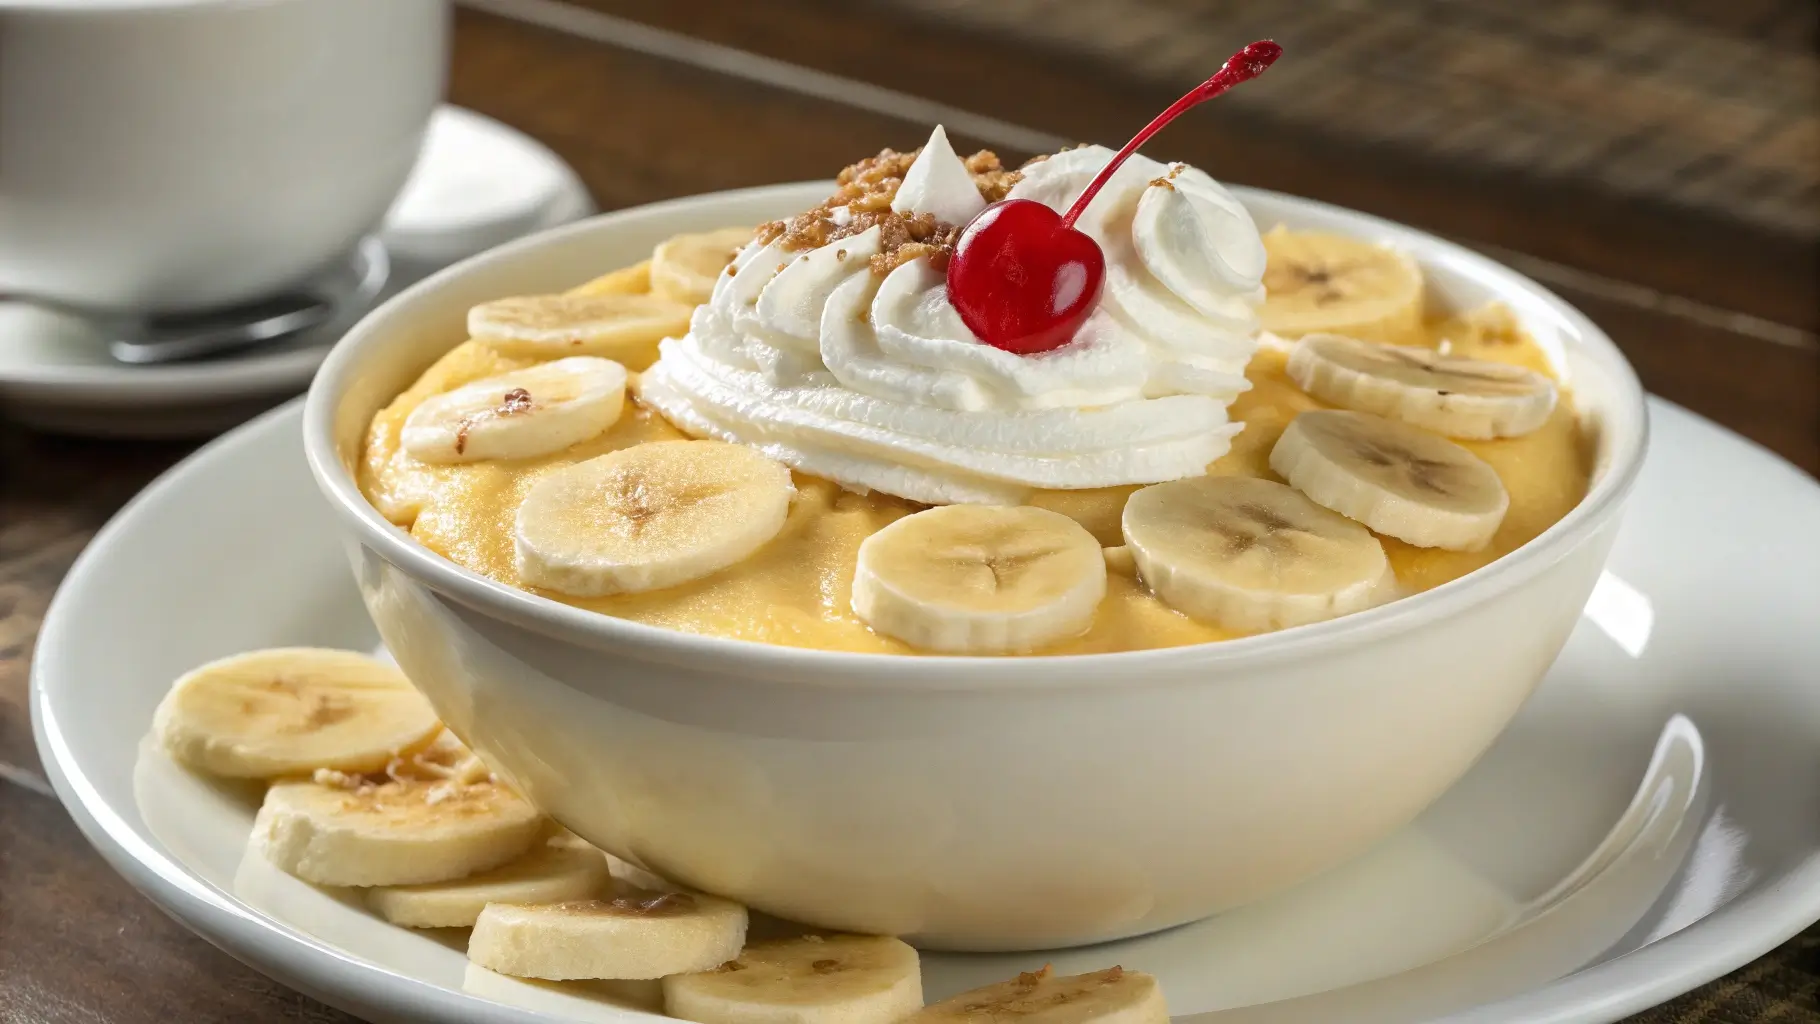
<point x="874" y="382"/>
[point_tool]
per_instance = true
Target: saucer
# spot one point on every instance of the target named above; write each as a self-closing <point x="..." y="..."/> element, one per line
<point x="1642" y="828"/>
<point x="478" y="183"/>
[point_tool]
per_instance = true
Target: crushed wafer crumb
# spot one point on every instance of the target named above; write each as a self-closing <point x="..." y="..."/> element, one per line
<point x="472" y="771"/>
<point x="335" y="779"/>
<point x="448" y="764"/>
<point x="863" y="201"/>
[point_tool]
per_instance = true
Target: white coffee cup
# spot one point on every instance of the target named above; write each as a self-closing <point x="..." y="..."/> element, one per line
<point x="173" y="154"/>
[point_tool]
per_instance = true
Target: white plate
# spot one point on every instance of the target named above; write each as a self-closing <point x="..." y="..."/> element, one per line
<point x="1535" y="891"/>
<point x="478" y="184"/>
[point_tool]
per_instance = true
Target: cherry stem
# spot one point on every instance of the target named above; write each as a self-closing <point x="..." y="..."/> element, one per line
<point x="1242" y="66"/>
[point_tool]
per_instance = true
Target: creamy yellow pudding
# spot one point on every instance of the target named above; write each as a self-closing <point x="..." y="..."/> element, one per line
<point x="796" y="588"/>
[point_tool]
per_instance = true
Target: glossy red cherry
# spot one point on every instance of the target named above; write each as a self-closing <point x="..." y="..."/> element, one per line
<point x="1022" y="278"/>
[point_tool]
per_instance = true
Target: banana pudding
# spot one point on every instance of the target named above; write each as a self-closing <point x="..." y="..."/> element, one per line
<point x="795" y="436"/>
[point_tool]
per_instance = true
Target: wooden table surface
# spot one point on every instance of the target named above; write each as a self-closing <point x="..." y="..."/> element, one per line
<point x="1714" y="300"/>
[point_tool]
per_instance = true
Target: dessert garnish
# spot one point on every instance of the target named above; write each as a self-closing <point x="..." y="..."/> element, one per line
<point x="1024" y="279"/>
<point x="831" y="386"/>
<point x="1451" y="395"/>
<point x="1251" y="554"/>
<point x="1400" y="480"/>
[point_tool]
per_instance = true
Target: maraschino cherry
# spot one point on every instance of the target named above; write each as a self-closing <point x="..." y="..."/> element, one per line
<point x="1022" y="278"/>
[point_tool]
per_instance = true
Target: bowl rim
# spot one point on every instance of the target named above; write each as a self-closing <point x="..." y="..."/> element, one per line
<point x="820" y="668"/>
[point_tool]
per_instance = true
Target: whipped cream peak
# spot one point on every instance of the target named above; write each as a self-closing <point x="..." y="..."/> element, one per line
<point x="1200" y="248"/>
<point x="939" y="184"/>
<point x="866" y="375"/>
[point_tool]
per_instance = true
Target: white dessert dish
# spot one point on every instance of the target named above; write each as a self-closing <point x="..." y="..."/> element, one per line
<point x="971" y="803"/>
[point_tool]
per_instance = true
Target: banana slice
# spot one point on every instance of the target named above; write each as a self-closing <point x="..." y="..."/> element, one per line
<point x="293" y="709"/>
<point x="842" y="979"/>
<point x="624" y="328"/>
<point x="1111" y="996"/>
<point x="1316" y="282"/>
<point x="550" y="873"/>
<point x="1450" y="395"/>
<point x="518" y="415"/>
<point x="632" y="934"/>
<point x="1252" y="555"/>
<point x="632" y="280"/>
<point x="980" y="579"/>
<point x="428" y="819"/>
<point x="650" y="516"/>
<point x="684" y="268"/>
<point x="1399" y="480"/>
<point x="621" y="870"/>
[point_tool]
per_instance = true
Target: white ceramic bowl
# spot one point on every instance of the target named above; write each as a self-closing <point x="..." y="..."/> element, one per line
<point x="969" y="803"/>
<point x="181" y="153"/>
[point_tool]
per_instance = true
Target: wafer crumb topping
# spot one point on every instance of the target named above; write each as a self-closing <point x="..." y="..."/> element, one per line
<point x="863" y="201"/>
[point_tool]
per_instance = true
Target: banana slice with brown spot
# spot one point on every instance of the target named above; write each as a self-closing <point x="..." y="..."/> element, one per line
<point x="685" y="268"/>
<point x="292" y="710"/>
<point x="1316" y="282"/>
<point x="1111" y="996"/>
<point x="1401" y="481"/>
<point x="518" y="415"/>
<point x="1473" y="398"/>
<point x="430" y="817"/>
<point x="650" y="516"/>
<point x="980" y="579"/>
<point x="623" y="328"/>
<point x="549" y="873"/>
<point x="1252" y="555"/>
<point x="839" y="979"/>
<point x="632" y="934"/>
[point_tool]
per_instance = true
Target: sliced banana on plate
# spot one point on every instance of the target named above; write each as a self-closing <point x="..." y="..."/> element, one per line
<point x="1111" y="996"/>
<point x="624" y="328"/>
<point x="1252" y="555"/>
<point x="980" y="579"/>
<point x="1401" y="481"/>
<point x="550" y="873"/>
<point x="632" y="934"/>
<point x="1318" y="282"/>
<point x="293" y="709"/>
<point x="1472" y="398"/>
<point x="685" y="268"/>
<point x="622" y="870"/>
<point x="632" y="280"/>
<point x="430" y="818"/>
<point x="518" y="415"/>
<point x="841" y="979"/>
<point x="650" y="516"/>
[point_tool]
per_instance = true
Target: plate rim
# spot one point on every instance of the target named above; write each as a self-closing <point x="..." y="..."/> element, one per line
<point x="1732" y="936"/>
